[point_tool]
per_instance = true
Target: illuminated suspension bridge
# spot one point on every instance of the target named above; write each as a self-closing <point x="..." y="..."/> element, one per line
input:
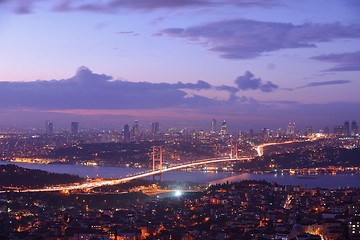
<point x="157" y="159"/>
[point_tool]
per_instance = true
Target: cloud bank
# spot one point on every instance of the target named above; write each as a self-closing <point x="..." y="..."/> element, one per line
<point x="88" y="90"/>
<point x="248" y="81"/>
<point x="246" y="39"/>
<point x="111" y="6"/>
<point x="325" y="83"/>
<point x="99" y="97"/>
<point x="343" y="61"/>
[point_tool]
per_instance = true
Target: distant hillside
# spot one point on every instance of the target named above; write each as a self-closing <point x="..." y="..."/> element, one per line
<point x="14" y="176"/>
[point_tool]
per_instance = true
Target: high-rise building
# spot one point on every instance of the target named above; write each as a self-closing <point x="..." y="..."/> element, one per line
<point x="346" y="128"/>
<point x="126" y="132"/>
<point x="213" y="126"/>
<point x="223" y="128"/>
<point x="135" y="129"/>
<point x="155" y="128"/>
<point x="74" y="128"/>
<point x="291" y="129"/>
<point x="49" y="126"/>
<point x="354" y="128"/>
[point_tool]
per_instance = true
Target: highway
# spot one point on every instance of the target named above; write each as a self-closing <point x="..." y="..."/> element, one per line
<point x="260" y="148"/>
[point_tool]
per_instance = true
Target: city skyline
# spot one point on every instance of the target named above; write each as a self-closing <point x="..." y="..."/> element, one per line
<point x="134" y="129"/>
<point x="254" y="64"/>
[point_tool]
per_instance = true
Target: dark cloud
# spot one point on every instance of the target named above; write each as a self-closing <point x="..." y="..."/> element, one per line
<point x="87" y="90"/>
<point x="243" y="39"/>
<point x="354" y="4"/>
<point x="111" y="6"/>
<point x="23" y="9"/>
<point x="227" y="88"/>
<point x="249" y="82"/>
<point x="325" y="83"/>
<point x="146" y="5"/>
<point x="200" y="84"/>
<point x="344" y="61"/>
<point x="20" y="6"/>
<point x="127" y="33"/>
<point x="154" y="4"/>
<point x="255" y="3"/>
<point x="268" y="87"/>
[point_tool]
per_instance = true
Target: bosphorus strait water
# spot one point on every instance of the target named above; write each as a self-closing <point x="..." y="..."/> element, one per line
<point x="341" y="180"/>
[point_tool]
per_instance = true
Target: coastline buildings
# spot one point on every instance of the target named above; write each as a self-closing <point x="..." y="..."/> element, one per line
<point x="346" y="129"/>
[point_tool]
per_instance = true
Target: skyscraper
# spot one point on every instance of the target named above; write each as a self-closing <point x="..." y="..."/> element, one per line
<point x="223" y="128"/>
<point x="135" y="129"/>
<point x="49" y="127"/>
<point x="155" y="128"/>
<point x="74" y="128"/>
<point x="354" y="128"/>
<point x="213" y="126"/>
<point x="346" y="128"/>
<point x="126" y="131"/>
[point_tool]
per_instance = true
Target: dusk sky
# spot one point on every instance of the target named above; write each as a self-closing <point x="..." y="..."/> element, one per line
<point x="255" y="64"/>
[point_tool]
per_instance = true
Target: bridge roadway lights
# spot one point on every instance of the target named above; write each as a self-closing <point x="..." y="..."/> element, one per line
<point x="125" y="179"/>
<point x="146" y="174"/>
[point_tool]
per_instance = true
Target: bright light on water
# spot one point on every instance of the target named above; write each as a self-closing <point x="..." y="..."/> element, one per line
<point x="178" y="193"/>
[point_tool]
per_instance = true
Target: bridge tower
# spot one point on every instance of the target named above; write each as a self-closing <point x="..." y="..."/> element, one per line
<point x="157" y="157"/>
<point x="234" y="149"/>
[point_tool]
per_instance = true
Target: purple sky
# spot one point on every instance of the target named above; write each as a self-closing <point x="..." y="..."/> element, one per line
<point x="254" y="63"/>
